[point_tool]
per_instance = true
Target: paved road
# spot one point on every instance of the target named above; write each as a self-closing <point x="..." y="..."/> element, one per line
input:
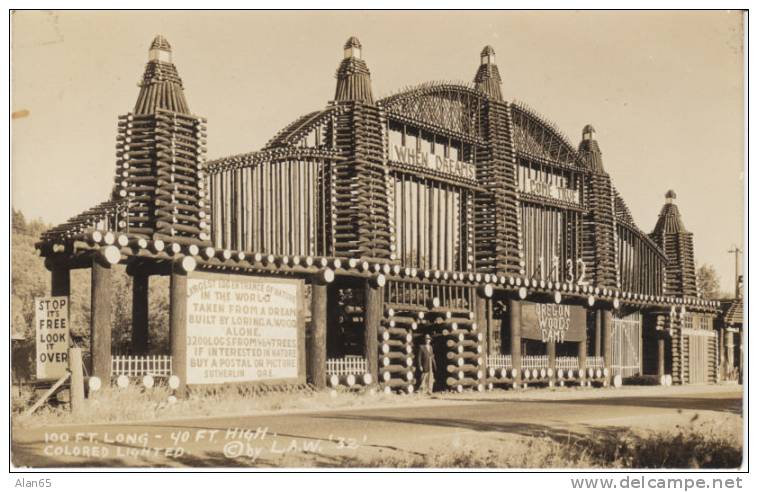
<point x="324" y="438"/>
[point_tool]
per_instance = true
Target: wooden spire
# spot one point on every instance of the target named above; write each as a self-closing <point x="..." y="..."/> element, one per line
<point x="677" y="243"/>
<point x="590" y="150"/>
<point x="600" y="253"/>
<point x="669" y="220"/>
<point x="161" y="86"/>
<point x="487" y="78"/>
<point x="353" y="75"/>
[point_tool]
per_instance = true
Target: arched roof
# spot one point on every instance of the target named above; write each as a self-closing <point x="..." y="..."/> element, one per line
<point x="430" y="88"/>
<point x="537" y="136"/>
<point x="292" y="133"/>
<point x="448" y="105"/>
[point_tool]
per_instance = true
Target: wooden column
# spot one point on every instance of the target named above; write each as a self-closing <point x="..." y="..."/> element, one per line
<point x="661" y="355"/>
<point x="514" y="313"/>
<point x="582" y="355"/>
<point x="178" y="326"/>
<point x="60" y="282"/>
<point x="722" y="353"/>
<point x="480" y="311"/>
<point x="483" y="326"/>
<point x="77" y="379"/>
<point x="100" y="320"/>
<point x="372" y="318"/>
<point x="551" y="358"/>
<point x="607" y="316"/>
<point x="598" y="333"/>
<point x="316" y="363"/>
<point x="742" y="356"/>
<point x="140" y="301"/>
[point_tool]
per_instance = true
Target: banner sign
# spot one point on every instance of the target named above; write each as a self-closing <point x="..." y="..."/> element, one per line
<point x="242" y="329"/>
<point x="553" y="322"/>
<point x="52" y="332"/>
<point x="548" y="190"/>
<point x="417" y="158"/>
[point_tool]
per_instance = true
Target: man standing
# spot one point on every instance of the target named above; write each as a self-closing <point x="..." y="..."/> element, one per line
<point x="427" y="365"/>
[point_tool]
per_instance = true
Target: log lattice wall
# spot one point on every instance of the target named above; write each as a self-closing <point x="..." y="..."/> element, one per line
<point x="600" y="252"/>
<point x="275" y="207"/>
<point x="497" y="220"/>
<point x="362" y="208"/>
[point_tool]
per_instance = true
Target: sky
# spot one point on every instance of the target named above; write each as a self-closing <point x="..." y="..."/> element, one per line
<point x="664" y="90"/>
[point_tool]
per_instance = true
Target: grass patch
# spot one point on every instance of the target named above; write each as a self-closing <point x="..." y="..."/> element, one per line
<point x="688" y="447"/>
<point x="684" y="447"/>
<point x="641" y="380"/>
<point x="136" y="403"/>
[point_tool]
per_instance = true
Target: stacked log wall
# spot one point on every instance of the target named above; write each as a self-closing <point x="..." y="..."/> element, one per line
<point x="362" y="215"/>
<point x="497" y="218"/>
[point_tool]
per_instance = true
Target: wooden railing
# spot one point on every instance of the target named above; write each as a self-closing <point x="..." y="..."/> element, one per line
<point x="595" y="362"/>
<point x="140" y="365"/>
<point x="534" y="362"/>
<point x="350" y="364"/>
<point x="499" y="361"/>
<point x="567" y="363"/>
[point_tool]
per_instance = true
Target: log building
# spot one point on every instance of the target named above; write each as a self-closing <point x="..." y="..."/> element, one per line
<point x="441" y="209"/>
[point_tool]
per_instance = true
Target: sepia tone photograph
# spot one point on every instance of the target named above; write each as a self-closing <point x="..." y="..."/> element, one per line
<point x="378" y="240"/>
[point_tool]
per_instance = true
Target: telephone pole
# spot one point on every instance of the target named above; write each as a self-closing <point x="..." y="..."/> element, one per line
<point x="736" y="250"/>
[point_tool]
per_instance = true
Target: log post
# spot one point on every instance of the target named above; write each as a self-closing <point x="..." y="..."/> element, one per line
<point x="551" y="359"/>
<point x="140" y="301"/>
<point x="661" y="355"/>
<point x="598" y="342"/>
<point x="730" y="350"/>
<point x="607" y="316"/>
<point x="722" y="353"/>
<point x="317" y="340"/>
<point x="481" y="300"/>
<point x="100" y="320"/>
<point x="582" y="356"/>
<point x="60" y="282"/>
<point x="742" y="358"/>
<point x="374" y="300"/>
<point x="178" y="319"/>
<point x="77" y="378"/>
<point x="514" y="313"/>
<point x="480" y="312"/>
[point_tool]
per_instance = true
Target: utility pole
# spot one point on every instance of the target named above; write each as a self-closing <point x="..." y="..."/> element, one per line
<point x="736" y="250"/>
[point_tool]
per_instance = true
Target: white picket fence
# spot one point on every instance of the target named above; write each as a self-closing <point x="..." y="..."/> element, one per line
<point x="350" y="364"/>
<point x="534" y="362"/>
<point x="499" y="361"/>
<point x="595" y="362"/>
<point x="567" y="363"/>
<point x="140" y="365"/>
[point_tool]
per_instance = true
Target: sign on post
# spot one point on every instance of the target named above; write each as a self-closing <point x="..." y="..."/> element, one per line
<point x="553" y="322"/>
<point x="244" y="329"/>
<point x="52" y="332"/>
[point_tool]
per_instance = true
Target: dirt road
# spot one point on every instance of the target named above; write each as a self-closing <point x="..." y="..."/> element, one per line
<point x="325" y="438"/>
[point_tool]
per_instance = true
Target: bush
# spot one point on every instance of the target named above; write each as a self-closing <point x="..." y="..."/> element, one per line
<point x="641" y="380"/>
<point x="686" y="447"/>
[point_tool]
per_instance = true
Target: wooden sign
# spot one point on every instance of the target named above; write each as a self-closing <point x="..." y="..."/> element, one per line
<point x="52" y="333"/>
<point x="553" y="322"/>
<point x="549" y="190"/>
<point x="417" y="158"/>
<point x="244" y="329"/>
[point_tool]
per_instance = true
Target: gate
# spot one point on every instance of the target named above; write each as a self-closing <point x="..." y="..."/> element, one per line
<point x="701" y="351"/>
<point x="626" y="345"/>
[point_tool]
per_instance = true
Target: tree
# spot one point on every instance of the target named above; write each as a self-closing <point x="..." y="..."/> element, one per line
<point x="708" y="280"/>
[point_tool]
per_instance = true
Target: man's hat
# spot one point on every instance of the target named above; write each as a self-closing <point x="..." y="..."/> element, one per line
<point x="428" y="337"/>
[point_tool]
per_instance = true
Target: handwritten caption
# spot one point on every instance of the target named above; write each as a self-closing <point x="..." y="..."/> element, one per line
<point x="246" y="444"/>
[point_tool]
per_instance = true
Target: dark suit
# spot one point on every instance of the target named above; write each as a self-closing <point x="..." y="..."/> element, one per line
<point x="427" y="364"/>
